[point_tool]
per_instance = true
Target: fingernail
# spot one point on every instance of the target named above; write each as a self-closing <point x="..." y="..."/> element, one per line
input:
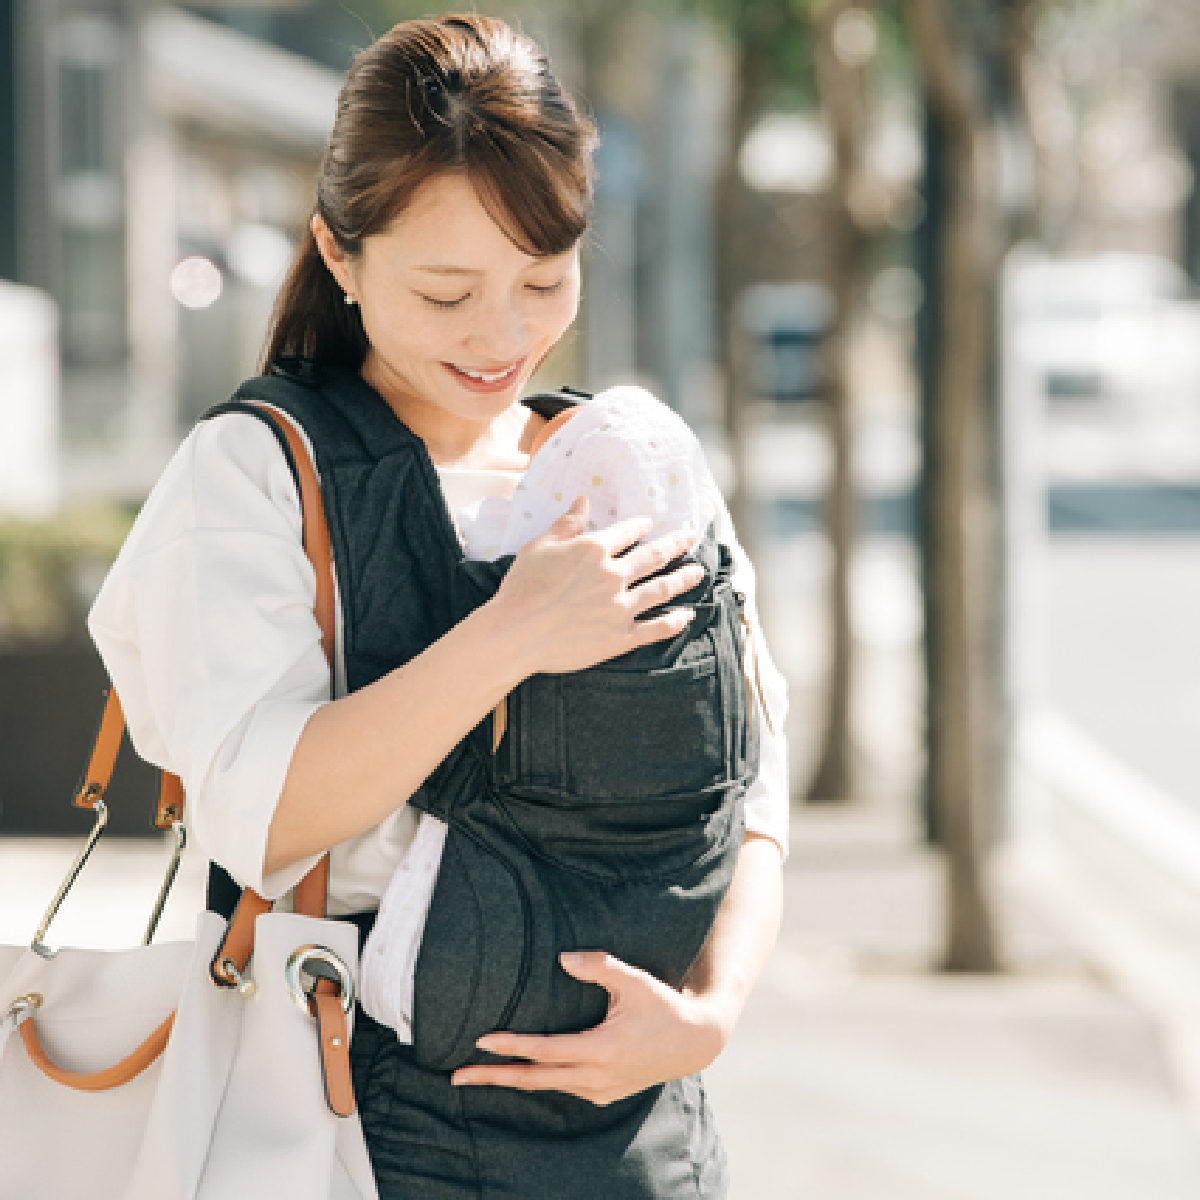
<point x="570" y="958"/>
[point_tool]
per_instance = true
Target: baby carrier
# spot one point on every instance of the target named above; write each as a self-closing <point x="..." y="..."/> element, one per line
<point x="605" y="813"/>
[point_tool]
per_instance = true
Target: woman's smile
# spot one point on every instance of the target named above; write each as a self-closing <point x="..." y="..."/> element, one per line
<point x="475" y="379"/>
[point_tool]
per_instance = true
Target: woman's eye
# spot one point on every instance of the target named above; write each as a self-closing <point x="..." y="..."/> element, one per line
<point x="444" y="303"/>
<point x="541" y="290"/>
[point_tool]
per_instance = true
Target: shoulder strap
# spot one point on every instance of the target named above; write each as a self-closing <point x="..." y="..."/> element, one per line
<point x="310" y="893"/>
<point x="312" y="889"/>
<point x="550" y="404"/>
<point x="312" y="507"/>
<point x="341" y="413"/>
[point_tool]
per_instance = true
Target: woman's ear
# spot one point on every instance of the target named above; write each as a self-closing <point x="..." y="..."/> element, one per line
<point x="334" y="257"/>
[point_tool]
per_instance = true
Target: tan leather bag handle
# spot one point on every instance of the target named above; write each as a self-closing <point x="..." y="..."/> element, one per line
<point x="130" y="1066"/>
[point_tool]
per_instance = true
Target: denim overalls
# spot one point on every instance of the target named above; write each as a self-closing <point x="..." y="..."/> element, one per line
<point x="608" y="817"/>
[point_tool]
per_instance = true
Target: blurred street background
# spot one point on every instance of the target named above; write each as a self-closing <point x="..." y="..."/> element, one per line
<point x="923" y="275"/>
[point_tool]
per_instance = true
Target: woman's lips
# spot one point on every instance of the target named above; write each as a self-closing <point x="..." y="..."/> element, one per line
<point x="480" y="385"/>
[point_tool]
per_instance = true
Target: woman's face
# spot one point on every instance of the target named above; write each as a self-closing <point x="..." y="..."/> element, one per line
<point x="458" y="318"/>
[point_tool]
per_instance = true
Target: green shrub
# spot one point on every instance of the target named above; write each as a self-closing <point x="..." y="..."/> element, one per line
<point x="50" y="570"/>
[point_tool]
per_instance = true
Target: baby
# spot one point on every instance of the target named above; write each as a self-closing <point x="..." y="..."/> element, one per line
<point x="630" y="456"/>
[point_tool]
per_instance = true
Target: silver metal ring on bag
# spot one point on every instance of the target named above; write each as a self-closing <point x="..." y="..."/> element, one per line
<point x="22" y="1008"/>
<point x="302" y="962"/>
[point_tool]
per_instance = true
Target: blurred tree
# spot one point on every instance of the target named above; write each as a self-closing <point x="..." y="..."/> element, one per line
<point x="771" y="49"/>
<point x="786" y="51"/>
<point x="845" y="44"/>
<point x="953" y="386"/>
<point x="969" y="58"/>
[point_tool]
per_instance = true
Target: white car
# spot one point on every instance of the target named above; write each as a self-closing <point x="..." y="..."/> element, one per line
<point x="1109" y="346"/>
<point x="1110" y="328"/>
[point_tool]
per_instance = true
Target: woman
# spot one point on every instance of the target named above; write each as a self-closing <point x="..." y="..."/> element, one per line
<point x="440" y="267"/>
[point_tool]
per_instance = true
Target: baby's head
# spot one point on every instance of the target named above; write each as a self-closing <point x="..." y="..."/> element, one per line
<point x="629" y="454"/>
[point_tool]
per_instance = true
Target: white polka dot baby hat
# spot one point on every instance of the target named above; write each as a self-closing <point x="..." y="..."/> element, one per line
<point x="629" y="454"/>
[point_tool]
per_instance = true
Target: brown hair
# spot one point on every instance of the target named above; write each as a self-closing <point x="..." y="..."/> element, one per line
<point x="462" y="93"/>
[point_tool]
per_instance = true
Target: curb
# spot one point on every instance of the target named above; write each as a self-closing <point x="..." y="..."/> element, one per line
<point x="1117" y="860"/>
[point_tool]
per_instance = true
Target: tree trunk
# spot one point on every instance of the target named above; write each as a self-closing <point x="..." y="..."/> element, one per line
<point x="841" y="88"/>
<point x="750" y="75"/>
<point x="960" y="773"/>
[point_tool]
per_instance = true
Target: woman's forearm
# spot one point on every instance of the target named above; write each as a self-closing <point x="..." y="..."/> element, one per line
<point x="362" y="756"/>
<point x="742" y="937"/>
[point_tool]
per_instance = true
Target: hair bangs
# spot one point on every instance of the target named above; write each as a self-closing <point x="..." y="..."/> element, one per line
<point x="536" y="195"/>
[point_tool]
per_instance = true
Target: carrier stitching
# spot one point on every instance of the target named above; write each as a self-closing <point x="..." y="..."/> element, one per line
<point x="476" y="976"/>
<point x="560" y="728"/>
<point x="736" y="789"/>
<point x="526" y="942"/>
<point x="460" y="1095"/>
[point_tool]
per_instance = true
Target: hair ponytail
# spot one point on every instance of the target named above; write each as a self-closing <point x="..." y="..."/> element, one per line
<point x="311" y="318"/>
<point x="464" y="93"/>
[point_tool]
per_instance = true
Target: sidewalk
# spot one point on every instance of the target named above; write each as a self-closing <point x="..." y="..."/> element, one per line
<point x="859" y="1074"/>
<point x="856" y="1072"/>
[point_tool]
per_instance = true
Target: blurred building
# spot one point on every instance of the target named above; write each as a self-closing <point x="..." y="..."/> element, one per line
<point x="1115" y="102"/>
<point x="155" y="168"/>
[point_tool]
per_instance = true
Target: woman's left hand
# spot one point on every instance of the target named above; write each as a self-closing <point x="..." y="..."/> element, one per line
<point x="651" y="1033"/>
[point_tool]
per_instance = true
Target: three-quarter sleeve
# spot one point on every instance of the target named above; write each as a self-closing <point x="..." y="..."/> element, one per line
<point x="205" y="624"/>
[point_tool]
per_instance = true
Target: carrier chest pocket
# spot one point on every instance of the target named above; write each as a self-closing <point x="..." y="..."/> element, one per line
<point x="636" y="735"/>
<point x="635" y="729"/>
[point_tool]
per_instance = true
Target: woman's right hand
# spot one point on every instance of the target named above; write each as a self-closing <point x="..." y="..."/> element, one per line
<point x="569" y="601"/>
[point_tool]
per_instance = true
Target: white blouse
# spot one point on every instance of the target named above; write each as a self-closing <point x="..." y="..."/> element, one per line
<point x="205" y="624"/>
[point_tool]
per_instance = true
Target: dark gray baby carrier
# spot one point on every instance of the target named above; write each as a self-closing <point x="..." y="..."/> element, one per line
<point x="608" y="817"/>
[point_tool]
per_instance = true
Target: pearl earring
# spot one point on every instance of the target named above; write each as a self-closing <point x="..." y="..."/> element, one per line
<point x="349" y="299"/>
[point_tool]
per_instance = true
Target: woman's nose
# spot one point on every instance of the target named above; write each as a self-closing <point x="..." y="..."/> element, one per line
<point x="502" y="334"/>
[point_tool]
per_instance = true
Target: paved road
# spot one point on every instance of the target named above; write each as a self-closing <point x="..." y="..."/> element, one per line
<point x="1122" y="646"/>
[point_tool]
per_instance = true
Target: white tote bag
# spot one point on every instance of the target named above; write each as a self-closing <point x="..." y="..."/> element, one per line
<point x="234" y="1105"/>
<point x="196" y="1070"/>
